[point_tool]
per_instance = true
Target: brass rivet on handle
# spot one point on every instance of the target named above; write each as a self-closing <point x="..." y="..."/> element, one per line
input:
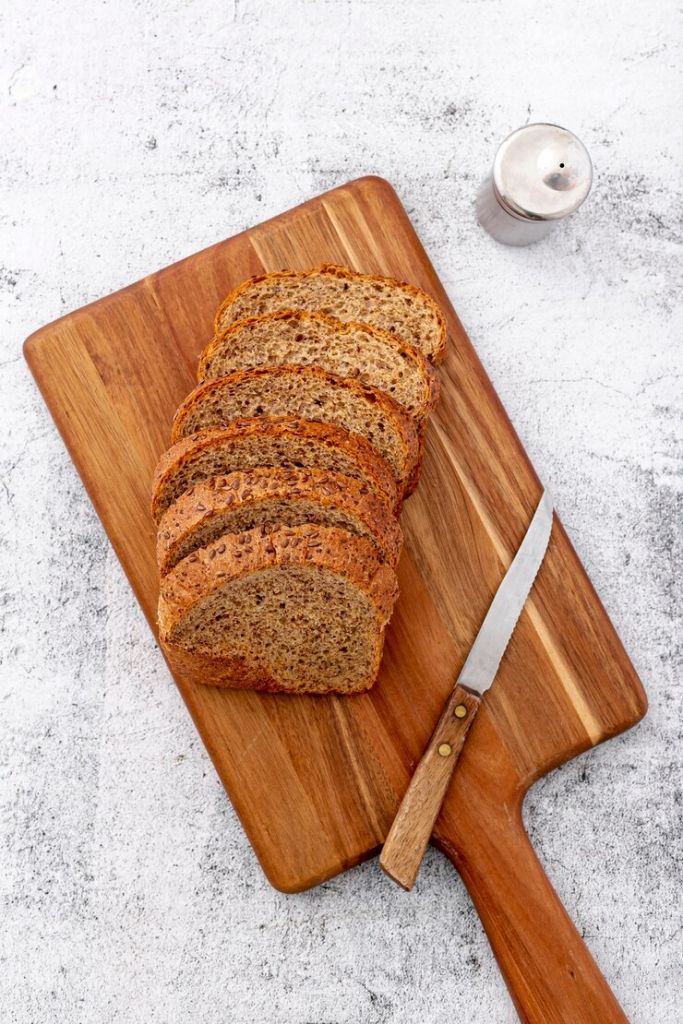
<point x="460" y="711"/>
<point x="445" y="749"/>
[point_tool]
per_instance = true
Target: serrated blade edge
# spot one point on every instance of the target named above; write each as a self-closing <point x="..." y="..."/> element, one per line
<point x="483" y="660"/>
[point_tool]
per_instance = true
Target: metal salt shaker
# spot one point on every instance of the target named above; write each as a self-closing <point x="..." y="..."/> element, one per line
<point x="541" y="174"/>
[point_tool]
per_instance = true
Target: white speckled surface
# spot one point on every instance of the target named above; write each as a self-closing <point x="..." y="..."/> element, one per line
<point x="135" y="133"/>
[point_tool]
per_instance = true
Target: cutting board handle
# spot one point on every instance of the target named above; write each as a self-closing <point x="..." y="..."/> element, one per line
<point x="547" y="967"/>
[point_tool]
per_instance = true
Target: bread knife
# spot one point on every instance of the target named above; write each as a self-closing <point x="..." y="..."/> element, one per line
<point x="409" y="835"/>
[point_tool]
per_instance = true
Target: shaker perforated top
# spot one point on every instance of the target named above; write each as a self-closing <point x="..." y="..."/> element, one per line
<point x="542" y="172"/>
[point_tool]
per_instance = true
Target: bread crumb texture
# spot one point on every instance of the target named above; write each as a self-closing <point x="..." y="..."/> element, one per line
<point x="310" y="393"/>
<point x="298" y="609"/>
<point x="368" y="354"/>
<point x="399" y="308"/>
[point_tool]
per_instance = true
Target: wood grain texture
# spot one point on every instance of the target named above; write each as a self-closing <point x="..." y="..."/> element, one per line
<point x="413" y="825"/>
<point x="317" y="781"/>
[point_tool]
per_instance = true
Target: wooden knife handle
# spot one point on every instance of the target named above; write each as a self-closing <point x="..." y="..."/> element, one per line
<point x="411" y="830"/>
<point x="547" y="967"/>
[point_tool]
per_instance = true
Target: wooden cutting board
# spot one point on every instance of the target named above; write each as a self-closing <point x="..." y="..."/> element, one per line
<point x="316" y="781"/>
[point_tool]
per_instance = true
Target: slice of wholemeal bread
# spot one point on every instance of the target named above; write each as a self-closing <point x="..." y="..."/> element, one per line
<point x="310" y="393"/>
<point x="289" y="443"/>
<point x="300" y="609"/>
<point x="399" y="308"/>
<point x="371" y="355"/>
<point x="270" y="496"/>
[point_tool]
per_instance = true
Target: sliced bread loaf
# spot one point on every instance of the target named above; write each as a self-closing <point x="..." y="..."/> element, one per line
<point x="371" y="355"/>
<point x="399" y="308"/>
<point x="289" y="443"/>
<point x="310" y="393"/>
<point x="299" y="609"/>
<point x="270" y="496"/>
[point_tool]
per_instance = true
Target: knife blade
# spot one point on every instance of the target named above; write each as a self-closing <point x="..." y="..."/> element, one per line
<point x="408" y="837"/>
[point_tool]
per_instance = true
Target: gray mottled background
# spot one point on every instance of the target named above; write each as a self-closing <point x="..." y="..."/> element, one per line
<point x="136" y="132"/>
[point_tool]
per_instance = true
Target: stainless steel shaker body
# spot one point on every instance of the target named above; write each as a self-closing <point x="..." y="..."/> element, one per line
<point x="541" y="174"/>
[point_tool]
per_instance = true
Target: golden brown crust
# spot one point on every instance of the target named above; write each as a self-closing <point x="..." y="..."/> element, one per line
<point x="343" y="273"/>
<point x="236" y="556"/>
<point x="403" y="425"/>
<point x="254" y="489"/>
<point x="423" y="367"/>
<point x="212" y="476"/>
<point x="371" y="466"/>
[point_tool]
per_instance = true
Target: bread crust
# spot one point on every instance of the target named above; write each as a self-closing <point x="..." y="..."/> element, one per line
<point x="344" y="274"/>
<point x="310" y="572"/>
<point x="254" y="489"/>
<point x="423" y="367"/>
<point x="372" y="467"/>
<point x="402" y="423"/>
<point x="236" y="556"/>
